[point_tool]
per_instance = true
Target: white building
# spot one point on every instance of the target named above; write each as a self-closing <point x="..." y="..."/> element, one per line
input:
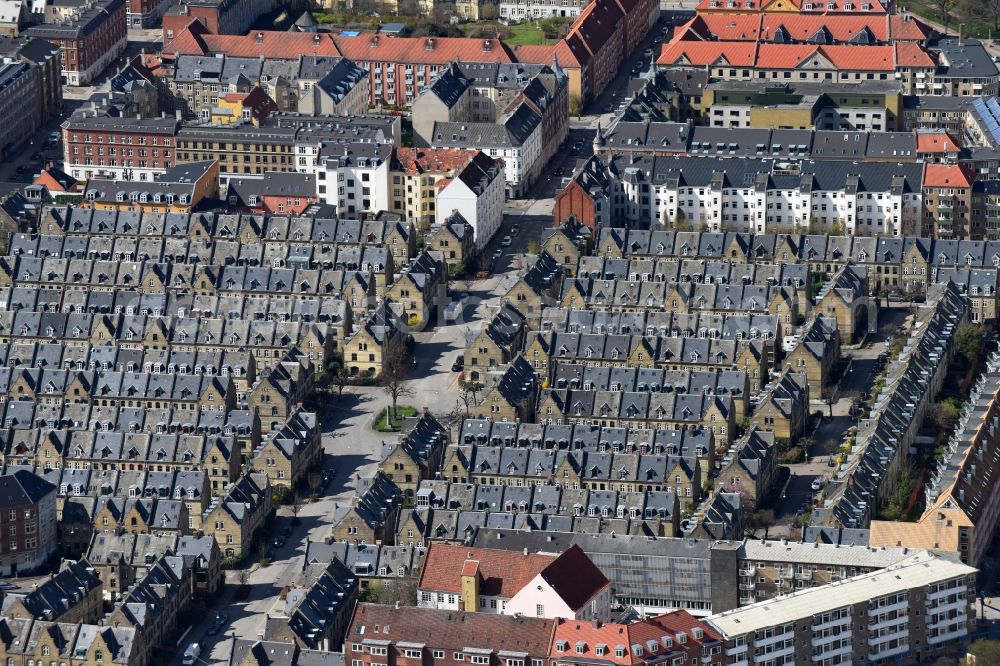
<point x="921" y="607"/>
<point x="510" y="582"/>
<point x="516" y="138"/>
<point x="353" y="177"/>
<point x="528" y="10"/>
<point x="477" y="193"/>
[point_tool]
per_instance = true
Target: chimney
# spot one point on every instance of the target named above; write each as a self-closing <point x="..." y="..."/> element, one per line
<point x="470" y="586"/>
<point x="961" y="34"/>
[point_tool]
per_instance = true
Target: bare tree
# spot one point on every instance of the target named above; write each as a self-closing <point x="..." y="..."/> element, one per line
<point x="945" y="7"/>
<point x="469" y="391"/>
<point x="395" y="378"/>
<point x="339" y="380"/>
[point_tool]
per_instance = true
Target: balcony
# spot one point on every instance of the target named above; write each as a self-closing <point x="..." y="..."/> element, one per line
<point x="830" y="624"/>
<point x="750" y="571"/>
<point x="958" y="588"/>
<point x="889" y="622"/>
<point x="959" y="604"/>
<point x="830" y="654"/>
<point x="749" y="587"/>
<point x="941" y="638"/>
<point x="766" y="642"/>
<point x="885" y="638"/>
<point x="777" y="654"/>
<point x="804" y="575"/>
<point x="826" y="640"/>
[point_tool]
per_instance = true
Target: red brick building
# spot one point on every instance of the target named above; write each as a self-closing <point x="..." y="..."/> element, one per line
<point x="27" y="521"/>
<point x="89" y="43"/>
<point x="408" y="636"/>
<point x="588" y="197"/>
<point x="277" y="192"/>
<point x="948" y="203"/>
<point x="118" y="148"/>
<point x="221" y="17"/>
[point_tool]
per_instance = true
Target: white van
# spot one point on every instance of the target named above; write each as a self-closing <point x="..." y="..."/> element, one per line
<point x="191" y="654"/>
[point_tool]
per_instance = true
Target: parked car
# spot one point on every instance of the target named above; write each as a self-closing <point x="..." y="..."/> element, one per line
<point x="279" y="541"/>
<point x="458" y="365"/>
<point x="497" y="254"/>
<point x="648" y="53"/>
<point x="515" y="230"/>
<point x="507" y="240"/>
<point x="217" y="623"/>
<point x="191" y="654"/>
<point x="816" y="485"/>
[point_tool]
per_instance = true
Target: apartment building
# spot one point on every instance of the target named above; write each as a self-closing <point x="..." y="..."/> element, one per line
<point x="118" y="148"/>
<point x="871" y="616"/>
<point x="90" y="36"/>
<point x="477" y="193"/>
<point x="45" y="56"/>
<point x="222" y="17"/>
<point x="29" y="512"/>
<point x="415" y="173"/>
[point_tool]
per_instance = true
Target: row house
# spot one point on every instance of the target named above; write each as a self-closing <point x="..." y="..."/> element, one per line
<point x="628" y="295"/>
<point x="783" y="406"/>
<point x="727" y="326"/>
<point x="157" y="603"/>
<point x="419" y="292"/>
<point x="537" y="288"/>
<point x="596" y="377"/>
<point x="495" y="344"/>
<point x="317" y="607"/>
<point x="791" y="275"/>
<point x="371" y="515"/>
<point x="291" y="451"/>
<point x="449" y="503"/>
<point x="370" y="562"/>
<point x="238" y="513"/>
<point x="961" y="514"/>
<point x="635" y="409"/>
<point x="77" y="644"/>
<point x="513" y="396"/>
<point x="325" y="234"/>
<point x="816" y="352"/>
<point x="883" y="439"/>
<point x="499" y="467"/>
<point x="381" y="336"/>
<point x="547" y="352"/>
<point x="750" y="467"/>
<point x="72" y="595"/>
<point x="416" y="455"/>
<point x="844" y="299"/>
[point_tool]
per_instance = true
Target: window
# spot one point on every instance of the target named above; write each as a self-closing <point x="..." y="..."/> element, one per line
<point x="439" y="654"/>
<point x="539" y="610"/>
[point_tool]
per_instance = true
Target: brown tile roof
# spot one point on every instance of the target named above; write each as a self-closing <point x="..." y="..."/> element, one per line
<point x="575" y="578"/>
<point x="502" y="572"/>
<point x="450" y="630"/>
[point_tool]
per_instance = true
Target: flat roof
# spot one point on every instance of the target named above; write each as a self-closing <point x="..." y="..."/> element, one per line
<point x="918" y="571"/>
<point x="825" y="553"/>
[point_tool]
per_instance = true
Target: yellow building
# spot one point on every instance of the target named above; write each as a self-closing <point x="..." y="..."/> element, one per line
<point x="179" y="190"/>
<point x="413" y="176"/>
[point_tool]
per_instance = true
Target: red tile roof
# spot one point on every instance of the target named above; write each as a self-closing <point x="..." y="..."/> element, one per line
<point x="588" y="635"/>
<point x="450" y="630"/>
<point x="502" y="572"/>
<point x="907" y="26"/>
<point x="740" y="54"/>
<point x="414" y="161"/>
<point x="763" y="6"/>
<point x="842" y="28"/>
<point x="947" y="175"/>
<point x="597" y="24"/>
<point x="909" y="54"/>
<point x="364" y="47"/>
<point x="542" y="54"/>
<point x="723" y="27"/>
<point x="790" y="56"/>
<point x="936" y="142"/>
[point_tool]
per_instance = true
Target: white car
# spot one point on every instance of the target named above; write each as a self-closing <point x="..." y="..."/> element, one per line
<point x="507" y="240"/>
<point x="816" y="485"/>
<point x="191" y="654"/>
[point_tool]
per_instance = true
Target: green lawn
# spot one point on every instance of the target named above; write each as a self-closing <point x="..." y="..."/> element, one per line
<point x="402" y="411"/>
<point x="526" y="33"/>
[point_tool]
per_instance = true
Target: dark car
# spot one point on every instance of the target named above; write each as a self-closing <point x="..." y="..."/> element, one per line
<point x="279" y="541"/>
<point x="217" y="623"/>
<point x="458" y="365"/>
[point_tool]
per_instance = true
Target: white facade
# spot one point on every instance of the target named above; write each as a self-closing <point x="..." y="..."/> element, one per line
<point x="538" y="599"/>
<point x="353" y="186"/>
<point x="750" y="210"/>
<point x="526" y="10"/>
<point x="483" y="211"/>
<point x="452" y="601"/>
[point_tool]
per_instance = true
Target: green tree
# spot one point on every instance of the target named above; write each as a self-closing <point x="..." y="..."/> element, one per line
<point x="575" y="105"/>
<point x="985" y="651"/>
<point x="395" y="379"/>
<point x="969" y="342"/>
<point x="946" y="414"/>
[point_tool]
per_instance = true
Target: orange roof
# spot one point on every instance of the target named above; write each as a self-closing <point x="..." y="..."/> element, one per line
<point x="764" y="6"/>
<point x="742" y="54"/>
<point x="542" y="53"/>
<point x="906" y="26"/>
<point x="871" y="58"/>
<point x="785" y="56"/>
<point x="575" y="635"/>
<point x="364" y="47"/>
<point x="415" y="161"/>
<point x="842" y="28"/>
<point x="724" y="27"/>
<point x="910" y="54"/>
<point x="947" y="175"/>
<point x="936" y="142"/>
<point x="503" y="572"/>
